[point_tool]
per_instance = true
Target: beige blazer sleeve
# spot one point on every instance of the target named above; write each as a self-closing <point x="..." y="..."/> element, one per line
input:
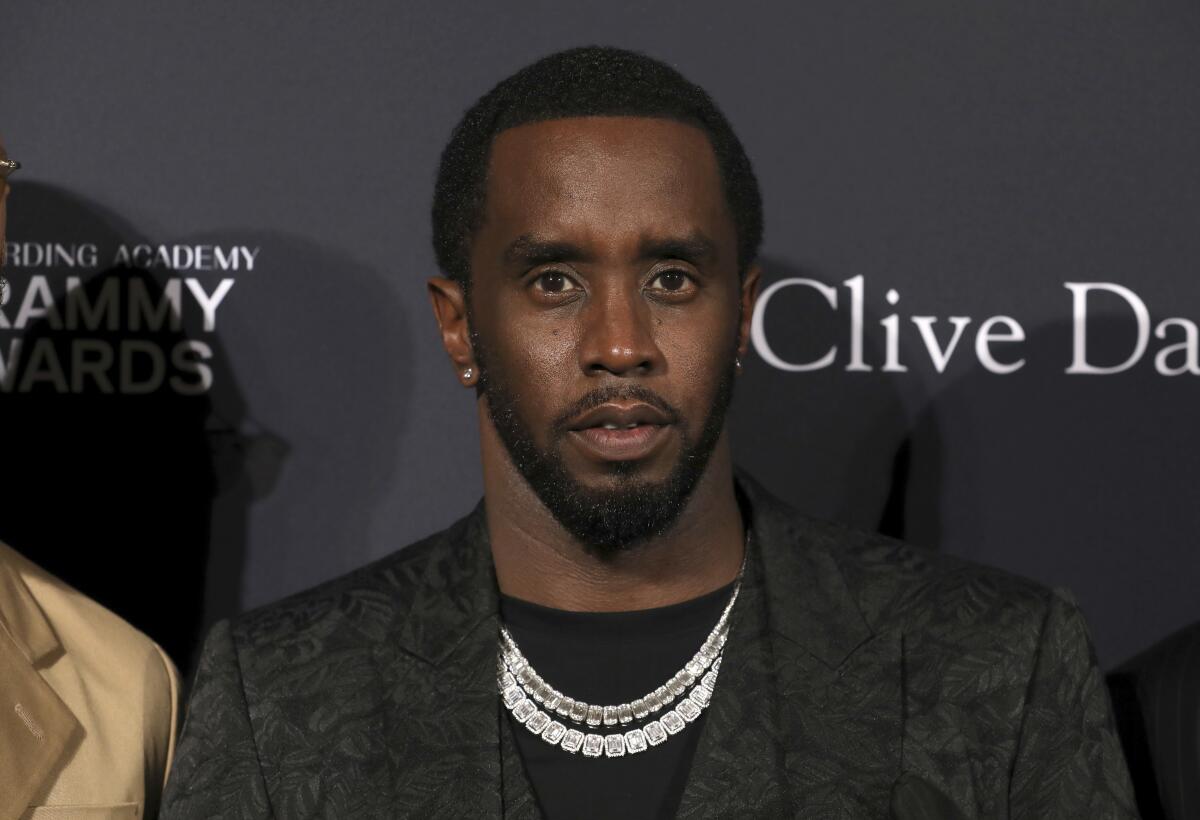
<point x="161" y="725"/>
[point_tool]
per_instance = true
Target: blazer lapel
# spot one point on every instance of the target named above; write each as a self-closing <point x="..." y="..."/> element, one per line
<point x="442" y="717"/>
<point x="36" y="727"/>
<point x="809" y="698"/>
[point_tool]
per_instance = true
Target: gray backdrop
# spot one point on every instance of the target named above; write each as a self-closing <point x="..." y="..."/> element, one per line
<point x="976" y="158"/>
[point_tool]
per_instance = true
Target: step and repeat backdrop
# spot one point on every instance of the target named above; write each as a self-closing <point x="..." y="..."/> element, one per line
<point x="220" y="380"/>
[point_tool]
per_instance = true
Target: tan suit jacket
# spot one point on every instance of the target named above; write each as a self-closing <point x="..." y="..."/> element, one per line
<point x="88" y="705"/>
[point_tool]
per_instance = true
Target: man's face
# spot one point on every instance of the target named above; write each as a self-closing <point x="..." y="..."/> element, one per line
<point x="606" y="312"/>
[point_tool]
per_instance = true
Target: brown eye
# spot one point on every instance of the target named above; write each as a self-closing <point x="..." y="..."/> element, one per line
<point x="555" y="282"/>
<point x="672" y="281"/>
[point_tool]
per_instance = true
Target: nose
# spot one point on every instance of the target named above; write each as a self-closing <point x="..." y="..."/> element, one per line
<point x="617" y="335"/>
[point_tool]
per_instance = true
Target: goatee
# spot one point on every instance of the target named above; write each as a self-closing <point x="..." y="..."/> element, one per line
<point x="633" y="509"/>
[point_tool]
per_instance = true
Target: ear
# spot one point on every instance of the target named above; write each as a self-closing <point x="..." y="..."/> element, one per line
<point x="749" y="297"/>
<point x="450" y="310"/>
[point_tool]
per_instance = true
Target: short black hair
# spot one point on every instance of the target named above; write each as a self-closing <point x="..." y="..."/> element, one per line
<point x="581" y="82"/>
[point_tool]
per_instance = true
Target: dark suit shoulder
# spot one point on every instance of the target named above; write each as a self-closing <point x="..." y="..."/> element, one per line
<point x="353" y="610"/>
<point x="898" y="584"/>
<point x="892" y="580"/>
<point x="291" y="715"/>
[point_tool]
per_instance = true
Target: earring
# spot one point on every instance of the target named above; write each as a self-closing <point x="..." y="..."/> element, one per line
<point x="737" y="362"/>
<point x="467" y="374"/>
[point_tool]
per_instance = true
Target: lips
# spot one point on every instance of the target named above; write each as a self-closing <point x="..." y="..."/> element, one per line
<point x="620" y="432"/>
<point x="616" y="416"/>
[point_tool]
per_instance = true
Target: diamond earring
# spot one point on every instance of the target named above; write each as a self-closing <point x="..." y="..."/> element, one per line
<point x="468" y="373"/>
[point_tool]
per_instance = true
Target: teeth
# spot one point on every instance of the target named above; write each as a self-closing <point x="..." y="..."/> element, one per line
<point x="610" y="427"/>
<point x="631" y="425"/>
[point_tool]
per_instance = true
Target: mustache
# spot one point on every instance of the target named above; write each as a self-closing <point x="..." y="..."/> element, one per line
<point x="613" y="393"/>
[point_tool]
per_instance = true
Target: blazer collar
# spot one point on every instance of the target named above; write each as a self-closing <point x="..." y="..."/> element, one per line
<point x="455" y="593"/>
<point x="20" y="614"/>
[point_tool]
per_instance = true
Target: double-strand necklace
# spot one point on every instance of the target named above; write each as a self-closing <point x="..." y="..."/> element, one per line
<point x="536" y="705"/>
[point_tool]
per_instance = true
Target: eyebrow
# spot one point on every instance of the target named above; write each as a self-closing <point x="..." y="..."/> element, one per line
<point x="695" y="247"/>
<point x="528" y="250"/>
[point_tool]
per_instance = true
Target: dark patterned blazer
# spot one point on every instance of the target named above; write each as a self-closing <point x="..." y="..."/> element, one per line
<point x="1156" y="698"/>
<point x="863" y="678"/>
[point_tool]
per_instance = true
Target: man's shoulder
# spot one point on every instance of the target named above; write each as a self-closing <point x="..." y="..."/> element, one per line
<point x="358" y="608"/>
<point x="101" y="643"/>
<point x="890" y="573"/>
<point x="940" y="600"/>
<point x="924" y="592"/>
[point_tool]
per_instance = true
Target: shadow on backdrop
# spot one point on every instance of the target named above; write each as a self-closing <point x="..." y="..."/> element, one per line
<point x="142" y="498"/>
<point x="108" y="476"/>
<point x="834" y="445"/>
<point x="1079" y="481"/>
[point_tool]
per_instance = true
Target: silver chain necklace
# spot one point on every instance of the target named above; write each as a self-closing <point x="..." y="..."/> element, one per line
<point x="522" y="689"/>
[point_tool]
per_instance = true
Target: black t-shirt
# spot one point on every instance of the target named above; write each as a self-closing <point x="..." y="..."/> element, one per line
<point x="610" y="658"/>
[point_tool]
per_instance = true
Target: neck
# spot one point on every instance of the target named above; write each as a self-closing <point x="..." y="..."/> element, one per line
<point x="537" y="560"/>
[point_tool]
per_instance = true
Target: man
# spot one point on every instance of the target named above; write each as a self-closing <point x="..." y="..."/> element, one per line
<point x="623" y="628"/>
<point x="87" y="703"/>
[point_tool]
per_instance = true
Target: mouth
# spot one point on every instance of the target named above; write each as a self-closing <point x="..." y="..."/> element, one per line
<point x="620" y="432"/>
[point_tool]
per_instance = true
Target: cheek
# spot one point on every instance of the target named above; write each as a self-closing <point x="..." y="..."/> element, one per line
<point x="537" y="354"/>
<point x="695" y="367"/>
<point x="698" y="346"/>
<point x="548" y="357"/>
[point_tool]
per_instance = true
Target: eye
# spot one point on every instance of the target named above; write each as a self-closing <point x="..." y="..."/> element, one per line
<point x="671" y="281"/>
<point x="554" y="281"/>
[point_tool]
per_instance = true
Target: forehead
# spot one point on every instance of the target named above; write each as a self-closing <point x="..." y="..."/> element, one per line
<point x="606" y="175"/>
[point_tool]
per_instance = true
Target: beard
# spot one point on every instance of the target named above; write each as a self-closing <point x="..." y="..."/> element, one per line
<point x="631" y="509"/>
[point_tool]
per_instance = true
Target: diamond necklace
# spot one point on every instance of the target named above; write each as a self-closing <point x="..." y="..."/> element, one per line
<point x="522" y="689"/>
